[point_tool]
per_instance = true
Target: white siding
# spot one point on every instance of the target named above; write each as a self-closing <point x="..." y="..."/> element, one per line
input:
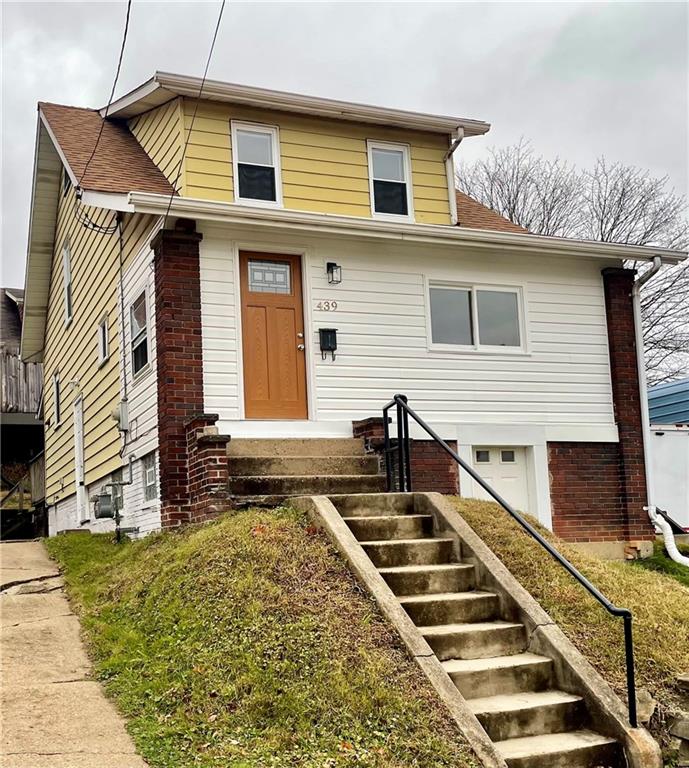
<point x="562" y="380"/>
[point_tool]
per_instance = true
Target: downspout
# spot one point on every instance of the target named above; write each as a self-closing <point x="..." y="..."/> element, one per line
<point x="660" y="525"/>
<point x="456" y="137"/>
<point x="641" y="371"/>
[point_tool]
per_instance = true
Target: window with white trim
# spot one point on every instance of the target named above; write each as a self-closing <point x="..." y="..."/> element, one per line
<point x="57" y="408"/>
<point x="103" y="340"/>
<point x="472" y="317"/>
<point x="138" y="314"/>
<point x="67" y="281"/>
<point x="389" y="171"/>
<point x="148" y="465"/>
<point x="256" y="163"/>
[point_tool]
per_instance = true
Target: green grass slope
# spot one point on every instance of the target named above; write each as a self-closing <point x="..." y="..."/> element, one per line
<point x="247" y="643"/>
<point x="659" y="602"/>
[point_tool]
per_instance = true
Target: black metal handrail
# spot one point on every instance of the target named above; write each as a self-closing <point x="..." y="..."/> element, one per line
<point x="402" y="449"/>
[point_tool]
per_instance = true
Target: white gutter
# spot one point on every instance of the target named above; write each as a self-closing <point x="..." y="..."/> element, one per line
<point x="147" y="95"/>
<point x="641" y="371"/>
<point x="352" y="226"/>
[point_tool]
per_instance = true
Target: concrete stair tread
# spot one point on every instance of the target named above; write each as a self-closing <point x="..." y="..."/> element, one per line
<point x="479" y="626"/>
<point x="392" y="518"/>
<point x="424" y="568"/>
<point x="447" y="596"/>
<point x="550" y="744"/>
<point x="515" y="702"/>
<point x="304" y="477"/>
<point x="493" y="662"/>
<point x="397" y="542"/>
<point x="295" y="446"/>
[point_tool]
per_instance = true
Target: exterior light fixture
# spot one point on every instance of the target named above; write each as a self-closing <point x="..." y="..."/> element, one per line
<point x="334" y="273"/>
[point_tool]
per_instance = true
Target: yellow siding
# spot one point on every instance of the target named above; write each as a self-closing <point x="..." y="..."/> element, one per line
<point x="159" y="132"/>
<point x="324" y="161"/>
<point x="72" y="349"/>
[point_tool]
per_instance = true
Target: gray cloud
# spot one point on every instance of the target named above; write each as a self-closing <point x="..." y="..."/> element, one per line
<point x="578" y="79"/>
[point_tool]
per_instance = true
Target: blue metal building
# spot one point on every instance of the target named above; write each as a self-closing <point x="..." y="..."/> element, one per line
<point x="669" y="403"/>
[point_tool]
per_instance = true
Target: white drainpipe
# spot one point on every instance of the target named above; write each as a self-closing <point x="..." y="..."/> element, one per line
<point x="641" y="369"/>
<point x="660" y="525"/>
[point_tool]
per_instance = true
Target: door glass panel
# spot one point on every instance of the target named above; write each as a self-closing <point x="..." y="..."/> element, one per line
<point x="482" y="456"/>
<point x="269" y="277"/>
<point x="507" y="457"/>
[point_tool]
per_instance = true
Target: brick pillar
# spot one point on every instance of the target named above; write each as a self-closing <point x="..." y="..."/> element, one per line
<point x="179" y="360"/>
<point x="619" y="310"/>
<point x="431" y="468"/>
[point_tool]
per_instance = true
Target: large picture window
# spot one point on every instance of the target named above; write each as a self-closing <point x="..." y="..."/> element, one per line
<point x="139" y="334"/>
<point x="390" y="179"/>
<point x="475" y="317"/>
<point x="256" y="163"/>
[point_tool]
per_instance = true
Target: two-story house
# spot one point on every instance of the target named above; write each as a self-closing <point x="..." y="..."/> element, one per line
<point x="257" y="264"/>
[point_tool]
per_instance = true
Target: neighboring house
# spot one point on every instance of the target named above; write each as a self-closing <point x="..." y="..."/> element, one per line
<point x="668" y="406"/>
<point x="292" y="216"/>
<point x="21" y="384"/>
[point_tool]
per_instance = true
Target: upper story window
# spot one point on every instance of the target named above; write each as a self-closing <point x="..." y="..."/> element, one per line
<point x="66" y="182"/>
<point x="139" y="333"/>
<point x="256" y="164"/>
<point x="478" y="318"/>
<point x="389" y="171"/>
<point x="67" y="281"/>
<point x="57" y="408"/>
<point x="103" y="340"/>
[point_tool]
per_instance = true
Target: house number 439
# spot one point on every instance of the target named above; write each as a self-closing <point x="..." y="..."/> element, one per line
<point x="327" y="306"/>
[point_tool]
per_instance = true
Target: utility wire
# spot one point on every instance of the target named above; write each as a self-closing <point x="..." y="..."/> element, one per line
<point x="193" y="117"/>
<point x="112" y="93"/>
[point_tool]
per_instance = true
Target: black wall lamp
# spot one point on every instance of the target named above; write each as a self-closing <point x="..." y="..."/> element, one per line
<point x="328" y="341"/>
<point x="334" y="273"/>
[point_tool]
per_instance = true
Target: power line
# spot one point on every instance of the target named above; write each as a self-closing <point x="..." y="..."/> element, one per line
<point x="193" y="117"/>
<point x="112" y="93"/>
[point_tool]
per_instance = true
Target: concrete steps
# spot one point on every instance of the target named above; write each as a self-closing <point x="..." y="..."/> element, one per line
<point x="265" y="472"/>
<point x="511" y="691"/>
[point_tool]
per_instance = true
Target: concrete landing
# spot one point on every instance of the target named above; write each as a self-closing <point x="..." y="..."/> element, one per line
<point x="52" y="713"/>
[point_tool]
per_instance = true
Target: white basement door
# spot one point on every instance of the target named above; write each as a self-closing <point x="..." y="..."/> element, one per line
<point x="504" y="469"/>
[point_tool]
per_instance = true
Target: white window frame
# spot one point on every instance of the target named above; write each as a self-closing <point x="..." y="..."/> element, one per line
<point x="477" y="347"/>
<point x="274" y="132"/>
<point x="146" y="473"/>
<point x="147" y="335"/>
<point x="103" y="340"/>
<point x="406" y="162"/>
<point x="57" y="405"/>
<point x="67" y="292"/>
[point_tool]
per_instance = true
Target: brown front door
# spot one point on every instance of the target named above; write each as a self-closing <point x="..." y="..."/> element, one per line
<point x="272" y="336"/>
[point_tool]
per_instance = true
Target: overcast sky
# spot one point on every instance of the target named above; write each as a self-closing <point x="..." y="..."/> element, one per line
<point x="577" y="79"/>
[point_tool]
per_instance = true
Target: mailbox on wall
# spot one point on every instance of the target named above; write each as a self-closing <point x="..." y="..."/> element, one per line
<point x="328" y="341"/>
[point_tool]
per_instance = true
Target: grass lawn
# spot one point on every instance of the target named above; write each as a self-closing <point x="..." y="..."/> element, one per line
<point x="659" y="602"/>
<point x="661" y="563"/>
<point x="247" y="643"/>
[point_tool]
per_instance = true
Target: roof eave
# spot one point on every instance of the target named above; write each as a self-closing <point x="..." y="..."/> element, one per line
<point x="234" y="213"/>
<point x="164" y="86"/>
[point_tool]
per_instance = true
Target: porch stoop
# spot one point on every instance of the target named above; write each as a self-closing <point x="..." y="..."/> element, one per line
<point x="520" y="691"/>
<point x="265" y="472"/>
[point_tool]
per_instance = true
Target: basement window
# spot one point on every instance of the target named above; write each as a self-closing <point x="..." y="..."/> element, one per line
<point x="475" y="318"/>
<point x="256" y="164"/>
<point x="139" y="332"/>
<point x="389" y="171"/>
<point x="148" y="464"/>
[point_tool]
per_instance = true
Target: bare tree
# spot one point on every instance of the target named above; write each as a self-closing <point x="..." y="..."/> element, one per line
<point x="612" y="203"/>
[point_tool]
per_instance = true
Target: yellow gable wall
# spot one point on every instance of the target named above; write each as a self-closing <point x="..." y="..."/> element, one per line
<point x="324" y="161"/>
<point x="73" y="349"/>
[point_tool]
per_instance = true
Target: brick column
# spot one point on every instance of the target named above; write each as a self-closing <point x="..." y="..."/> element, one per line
<point x="431" y="468"/>
<point x="179" y="360"/>
<point x="618" y="284"/>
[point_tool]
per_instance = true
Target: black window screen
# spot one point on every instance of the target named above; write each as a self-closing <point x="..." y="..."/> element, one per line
<point x="256" y="182"/>
<point x="390" y="197"/>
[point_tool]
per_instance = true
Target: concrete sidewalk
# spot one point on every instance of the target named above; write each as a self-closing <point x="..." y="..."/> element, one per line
<point x="52" y="713"/>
